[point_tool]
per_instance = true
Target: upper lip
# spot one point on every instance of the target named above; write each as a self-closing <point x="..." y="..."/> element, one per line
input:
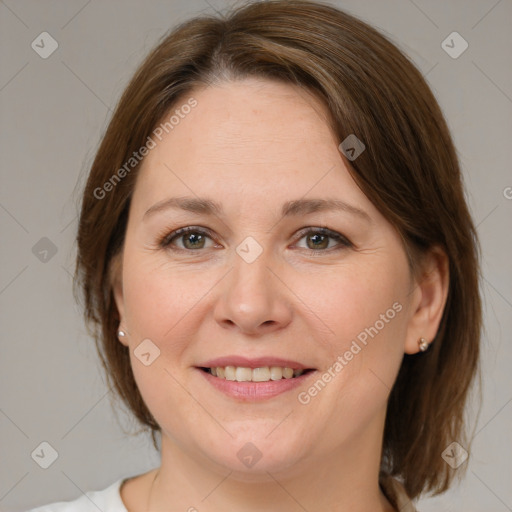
<point x="257" y="362"/>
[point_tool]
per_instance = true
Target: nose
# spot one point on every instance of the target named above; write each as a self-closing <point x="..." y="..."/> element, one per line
<point x="253" y="299"/>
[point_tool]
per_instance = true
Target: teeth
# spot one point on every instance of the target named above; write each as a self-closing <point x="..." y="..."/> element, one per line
<point x="287" y="373"/>
<point x="243" y="374"/>
<point x="229" y="373"/>
<point x="276" y="373"/>
<point x="263" y="374"/>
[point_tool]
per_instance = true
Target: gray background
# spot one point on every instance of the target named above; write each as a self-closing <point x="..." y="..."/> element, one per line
<point x="54" y="111"/>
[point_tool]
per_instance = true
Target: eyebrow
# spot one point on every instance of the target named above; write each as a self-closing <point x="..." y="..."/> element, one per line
<point x="290" y="208"/>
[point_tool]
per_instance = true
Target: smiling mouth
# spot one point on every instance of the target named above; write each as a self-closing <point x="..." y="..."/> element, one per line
<point x="262" y="374"/>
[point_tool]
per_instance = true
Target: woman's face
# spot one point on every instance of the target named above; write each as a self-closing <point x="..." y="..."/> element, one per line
<point x="248" y="287"/>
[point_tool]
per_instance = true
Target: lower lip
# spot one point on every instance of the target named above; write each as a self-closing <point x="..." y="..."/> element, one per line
<point x="254" y="391"/>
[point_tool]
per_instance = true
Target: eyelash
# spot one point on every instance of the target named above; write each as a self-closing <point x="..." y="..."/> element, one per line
<point x="165" y="242"/>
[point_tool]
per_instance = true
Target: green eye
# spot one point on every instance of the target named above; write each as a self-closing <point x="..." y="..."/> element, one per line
<point x="194" y="239"/>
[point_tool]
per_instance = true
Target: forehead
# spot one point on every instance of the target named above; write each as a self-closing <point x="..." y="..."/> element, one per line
<point x="247" y="122"/>
<point x="255" y="138"/>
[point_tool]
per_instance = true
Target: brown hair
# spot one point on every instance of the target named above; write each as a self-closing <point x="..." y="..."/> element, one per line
<point x="409" y="170"/>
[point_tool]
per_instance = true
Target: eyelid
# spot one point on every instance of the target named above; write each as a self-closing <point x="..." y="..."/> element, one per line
<point x="164" y="242"/>
<point x="166" y="238"/>
<point x="324" y="231"/>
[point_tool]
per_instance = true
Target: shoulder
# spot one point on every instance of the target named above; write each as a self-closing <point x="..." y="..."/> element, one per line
<point x="106" y="500"/>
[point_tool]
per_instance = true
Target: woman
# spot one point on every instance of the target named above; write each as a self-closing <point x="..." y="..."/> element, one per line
<point x="280" y="269"/>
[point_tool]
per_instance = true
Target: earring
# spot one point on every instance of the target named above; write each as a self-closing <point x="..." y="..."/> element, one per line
<point x="423" y="344"/>
<point x="121" y="334"/>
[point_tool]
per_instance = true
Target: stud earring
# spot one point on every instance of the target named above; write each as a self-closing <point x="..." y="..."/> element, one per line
<point x="423" y="344"/>
<point x="121" y="334"/>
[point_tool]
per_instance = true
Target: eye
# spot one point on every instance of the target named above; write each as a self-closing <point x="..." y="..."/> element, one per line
<point x="317" y="240"/>
<point x="194" y="238"/>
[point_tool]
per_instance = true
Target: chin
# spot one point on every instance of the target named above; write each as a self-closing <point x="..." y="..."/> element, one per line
<point x="252" y="457"/>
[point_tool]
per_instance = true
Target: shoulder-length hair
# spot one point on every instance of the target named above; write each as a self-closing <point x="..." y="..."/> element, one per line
<point x="409" y="171"/>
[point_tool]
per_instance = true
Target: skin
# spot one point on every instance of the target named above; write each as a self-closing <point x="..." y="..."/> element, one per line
<point x="252" y="145"/>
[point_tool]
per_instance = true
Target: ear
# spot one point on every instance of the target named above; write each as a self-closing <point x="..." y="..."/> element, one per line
<point x="430" y="293"/>
<point x="116" y="280"/>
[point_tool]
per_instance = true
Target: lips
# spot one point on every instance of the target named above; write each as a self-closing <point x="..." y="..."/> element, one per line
<point x="259" y="362"/>
<point x="263" y="369"/>
<point x="254" y="379"/>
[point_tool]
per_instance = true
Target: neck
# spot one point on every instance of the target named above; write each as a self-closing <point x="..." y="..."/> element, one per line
<point x="346" y="479"/>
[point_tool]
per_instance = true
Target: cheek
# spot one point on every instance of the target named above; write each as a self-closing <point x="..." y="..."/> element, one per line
<point x="158" y="304"/>
<point x="364" y="310"/>
<point x="356" y="299"/>
<point x="158" y="297"/>
<point x="362" y="329"/>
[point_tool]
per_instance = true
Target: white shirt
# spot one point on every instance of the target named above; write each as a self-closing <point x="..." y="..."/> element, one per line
<point x="109" y="499"/>
<point x="106" y="500"/>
